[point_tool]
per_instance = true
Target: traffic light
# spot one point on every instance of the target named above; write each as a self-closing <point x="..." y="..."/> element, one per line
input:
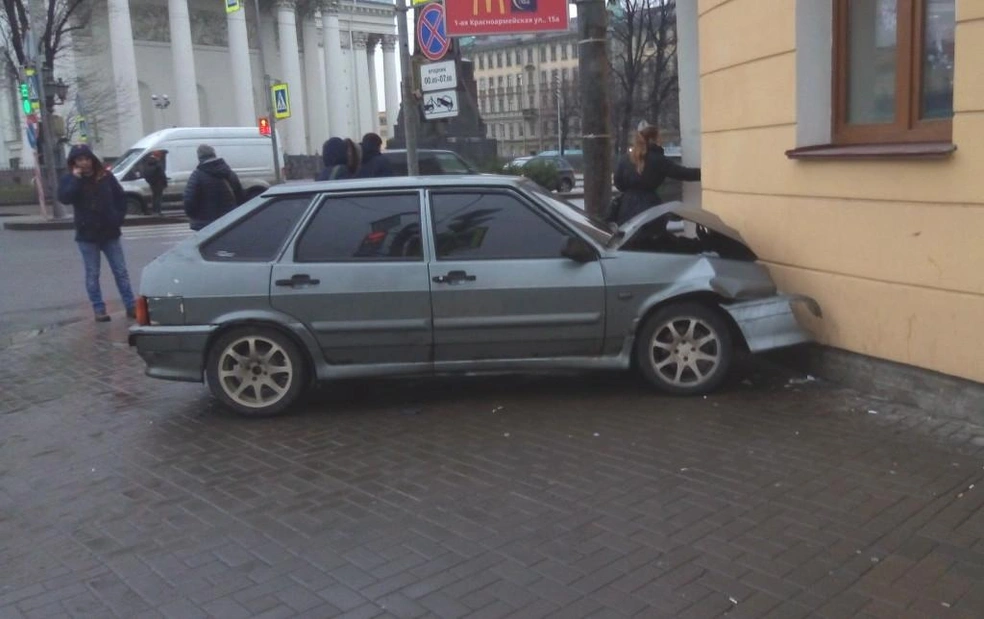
<point x="25" y="95"/>
<point x="264" y="124"/>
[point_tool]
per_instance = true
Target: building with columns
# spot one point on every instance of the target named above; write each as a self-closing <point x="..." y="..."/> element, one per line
<point x="208" y="64"/>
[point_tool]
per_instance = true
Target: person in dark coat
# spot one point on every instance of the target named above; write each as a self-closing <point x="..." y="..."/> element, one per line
<point x="374" y="165"/>
<point x="155" y="173"/>
<point x="99" y="208"/>
<point x="213" y="189"/>
<point x="340" y="158"/>
<point x="640" y="173"/>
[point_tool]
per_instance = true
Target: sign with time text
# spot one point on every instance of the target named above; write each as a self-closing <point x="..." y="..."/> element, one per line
<point x="491" y="17"/>
<point x="438" y="76"/>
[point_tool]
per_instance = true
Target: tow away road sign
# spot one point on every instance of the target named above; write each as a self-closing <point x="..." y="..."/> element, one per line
<point x="442" y="104"/>
<point x="281" y="101"/>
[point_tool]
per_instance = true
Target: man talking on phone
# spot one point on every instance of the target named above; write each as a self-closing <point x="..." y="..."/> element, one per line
<point x="99" y="206"/>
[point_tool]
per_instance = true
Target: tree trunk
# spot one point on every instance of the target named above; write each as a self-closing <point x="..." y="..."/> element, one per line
<point x="595" y="104"/>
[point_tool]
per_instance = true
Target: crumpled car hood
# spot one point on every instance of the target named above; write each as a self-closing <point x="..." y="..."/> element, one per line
<point x="700" y="217"/>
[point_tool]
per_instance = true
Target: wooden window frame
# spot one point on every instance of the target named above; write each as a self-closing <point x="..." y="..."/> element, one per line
<point x="908" y="127"/>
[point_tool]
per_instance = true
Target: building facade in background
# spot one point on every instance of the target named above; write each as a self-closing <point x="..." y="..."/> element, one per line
<point x="521" y="79"/>
<point x="207" y="62"/>
<point x="847" y="146"/>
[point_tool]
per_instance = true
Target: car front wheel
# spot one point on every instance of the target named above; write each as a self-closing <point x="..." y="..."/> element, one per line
<point x="566" y="185"/>
<point x="685" y="349"/>
<point x="256" y="371"/>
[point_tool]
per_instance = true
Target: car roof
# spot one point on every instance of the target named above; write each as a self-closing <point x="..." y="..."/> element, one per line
<point x="396" y="182"/>
<point x="403" y="151"/>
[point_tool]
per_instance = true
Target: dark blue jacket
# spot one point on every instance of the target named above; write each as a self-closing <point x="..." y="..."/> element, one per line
<point x="374" y="165"/>
<point x="334" y="155"/>
<point x="213" y="190"/>
<point x="98" y="201"/>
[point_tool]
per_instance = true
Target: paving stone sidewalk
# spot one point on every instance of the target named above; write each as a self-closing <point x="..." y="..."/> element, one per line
<point x="557" y="496"/>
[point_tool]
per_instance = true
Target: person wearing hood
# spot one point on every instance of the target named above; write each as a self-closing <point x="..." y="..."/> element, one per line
<point x="640" y="173"/>
<point x="213" y="189"/>
<point x="374" y="165"/>
<point x="341" y="160"/>
<point x="99" y="208"/>
<point x="155" y="174"/>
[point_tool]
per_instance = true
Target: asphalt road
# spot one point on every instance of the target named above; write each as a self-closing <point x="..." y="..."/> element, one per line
<point x="41" y="275"/>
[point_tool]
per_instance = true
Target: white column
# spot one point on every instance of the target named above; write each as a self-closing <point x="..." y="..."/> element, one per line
<point x="346" y="81"/>
<point x="129" y="122"/>
<point x="296" y="137"/>
<point x="361" y="81"/>
<point x="688" y="59"/>
<point x="314" y="82"/>
<point x="338" y="116"/>
<point x="242" y="73"/>
<point x="391" y="83"/>
<point x="183" y="57"/>
<point x="373" y="89"/>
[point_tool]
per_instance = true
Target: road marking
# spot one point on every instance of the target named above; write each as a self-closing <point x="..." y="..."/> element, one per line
<point x="158" y="232"/>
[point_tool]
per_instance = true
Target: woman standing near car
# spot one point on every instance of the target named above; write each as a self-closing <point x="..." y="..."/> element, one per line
<point x="640" y="173"/>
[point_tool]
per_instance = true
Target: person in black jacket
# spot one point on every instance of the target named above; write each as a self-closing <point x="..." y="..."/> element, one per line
<point x="213" y="189"/>
<point x="155" y="173"/>
<point x="341" y="160"/>
<point x="99" y="207"/>
<point x="374" y="165"/>
<point x="640" y="173"/>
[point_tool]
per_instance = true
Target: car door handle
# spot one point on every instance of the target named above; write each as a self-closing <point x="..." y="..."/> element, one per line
<point x="301" y="279"/>
<point x="453" y="277"/>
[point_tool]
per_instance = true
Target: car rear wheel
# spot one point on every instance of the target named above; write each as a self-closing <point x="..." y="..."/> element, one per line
<point x="566" y="185"/>
<point x="252" y="192"/>
<point x="685" y="349"/>
<point x="134" y="205"/>
<point x="256" y="371"/>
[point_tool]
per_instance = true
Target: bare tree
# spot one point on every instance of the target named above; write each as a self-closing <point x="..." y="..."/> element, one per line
<point x="62" y="17"/>
<point x="661" y="75"/>
<point x="569" y="97"/>
<point x="630" y="42"/>
<point x="96" y="101"/>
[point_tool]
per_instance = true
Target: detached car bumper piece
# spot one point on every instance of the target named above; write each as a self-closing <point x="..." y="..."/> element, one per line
<point x="770" y="323"/>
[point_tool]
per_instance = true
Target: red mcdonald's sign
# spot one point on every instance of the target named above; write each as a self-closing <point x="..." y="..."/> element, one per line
<point x="482" y="17"/>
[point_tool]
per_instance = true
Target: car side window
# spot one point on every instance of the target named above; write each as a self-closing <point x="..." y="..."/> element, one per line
<point x="260" y="236"/>
<point x="354" y="228"/>
<point x="399" y="163"/>
<point x="451" y="164"/>
<point x="491" y="225"/>
<point x="428" y="165"/>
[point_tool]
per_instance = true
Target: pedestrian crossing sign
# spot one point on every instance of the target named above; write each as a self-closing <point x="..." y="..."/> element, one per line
<point x="233" y="5"/>
<point x="281" y="101"/>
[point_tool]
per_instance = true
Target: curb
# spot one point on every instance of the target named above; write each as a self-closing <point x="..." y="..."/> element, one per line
<point x="68" y="224"/>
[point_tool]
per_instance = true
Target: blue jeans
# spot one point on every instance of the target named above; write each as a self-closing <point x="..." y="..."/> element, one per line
<point x="117" y="264"/>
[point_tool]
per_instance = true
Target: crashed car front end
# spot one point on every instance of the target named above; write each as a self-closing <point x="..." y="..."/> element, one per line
<point x="705" y="257"/>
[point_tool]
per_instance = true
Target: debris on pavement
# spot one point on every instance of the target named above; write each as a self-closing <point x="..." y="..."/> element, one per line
<point x="809" y="378"/>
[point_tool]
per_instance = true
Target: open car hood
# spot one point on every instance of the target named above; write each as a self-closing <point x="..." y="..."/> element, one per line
<point x="668" y="211"/>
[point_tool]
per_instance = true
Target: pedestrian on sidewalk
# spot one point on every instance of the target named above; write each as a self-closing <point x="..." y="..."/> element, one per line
<point x="640" y="173"/>
<point x="155" y="173"/>
<point x="213" y="189"/>
<point x="99" y="206"/>
<point x="340" y="158"/>
<point x="374" y="165"/>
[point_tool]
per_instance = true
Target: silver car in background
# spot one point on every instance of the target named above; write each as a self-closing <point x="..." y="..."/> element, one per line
<point x="427" y="275"/>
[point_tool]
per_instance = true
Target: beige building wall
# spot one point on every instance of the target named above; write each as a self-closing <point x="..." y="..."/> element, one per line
<point x="892" y="249"/>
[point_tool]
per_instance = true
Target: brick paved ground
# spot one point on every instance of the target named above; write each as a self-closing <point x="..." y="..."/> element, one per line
<point x="496" y="497"/>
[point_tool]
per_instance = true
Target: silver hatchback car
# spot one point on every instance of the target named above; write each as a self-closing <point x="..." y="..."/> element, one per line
<point x="402" y="276"/>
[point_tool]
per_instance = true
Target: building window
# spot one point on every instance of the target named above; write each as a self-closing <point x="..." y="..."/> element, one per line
<point x="893" y="66"/>
<point x="543" y="53"/>
<point x="481" y="62"/>
<point x="574" y="50"/>
<point x="529" y="55"/>
<point x="563" y="51"/>
<point x="553" y="53"/>
<point x="509" y="59"/>
<point x="498" y="60"/>
<point x="519" y="58"/>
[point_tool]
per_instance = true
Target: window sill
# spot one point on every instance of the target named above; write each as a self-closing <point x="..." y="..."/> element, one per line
<point x="912" y="150"/>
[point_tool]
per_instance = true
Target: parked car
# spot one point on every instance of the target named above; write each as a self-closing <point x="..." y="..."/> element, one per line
<point x="573" y="156"/>
<point x="249" y="154"/>
<point x="416" y="276"/>
<point x="431" y="162"/>
<point x="566" y="179"/>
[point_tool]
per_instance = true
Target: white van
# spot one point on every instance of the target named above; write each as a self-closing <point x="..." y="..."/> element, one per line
<point x="249" y="154"/>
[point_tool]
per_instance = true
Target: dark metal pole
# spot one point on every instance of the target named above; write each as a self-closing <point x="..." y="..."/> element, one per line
<point x="409" y="103"/>
<point x="267" y="92"/>
<point x="595" y="104"/>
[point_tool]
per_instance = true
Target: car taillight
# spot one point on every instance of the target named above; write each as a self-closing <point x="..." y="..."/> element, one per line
<point x="143" y="312"/>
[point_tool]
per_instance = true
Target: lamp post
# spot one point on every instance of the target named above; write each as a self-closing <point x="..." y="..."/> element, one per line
<point x="161" y="102"/>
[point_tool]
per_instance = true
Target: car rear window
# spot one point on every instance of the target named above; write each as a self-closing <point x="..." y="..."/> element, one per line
<point x="259" y="236"/>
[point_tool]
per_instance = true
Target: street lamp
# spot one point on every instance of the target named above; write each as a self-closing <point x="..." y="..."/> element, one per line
<point x="161" y="102"/>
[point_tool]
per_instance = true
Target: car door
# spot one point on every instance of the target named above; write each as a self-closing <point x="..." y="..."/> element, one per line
<point x="180" y="161"/>
<point x="500" y="288"/>
<point x="357" y="277"/>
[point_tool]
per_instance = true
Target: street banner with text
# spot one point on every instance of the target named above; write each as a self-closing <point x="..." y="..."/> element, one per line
<point x="491" y="17"/>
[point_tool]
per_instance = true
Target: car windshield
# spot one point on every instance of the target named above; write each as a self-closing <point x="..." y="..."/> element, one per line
<point x="128" y="157"/>
<point x="596" y="228"/>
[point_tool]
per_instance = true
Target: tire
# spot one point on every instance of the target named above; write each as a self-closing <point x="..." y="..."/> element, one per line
<point x="670" y="339"/>
<point x="135" y="205"/>
<point x="256" y="371"/>
<point x="565" y="186"/>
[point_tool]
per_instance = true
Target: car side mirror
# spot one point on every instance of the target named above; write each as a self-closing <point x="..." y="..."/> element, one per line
<point x="578" y="250"/>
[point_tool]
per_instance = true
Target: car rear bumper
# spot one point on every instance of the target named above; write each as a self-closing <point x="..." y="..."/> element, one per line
<point x="770" y="323"/>
<point x="174" y="352"/>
